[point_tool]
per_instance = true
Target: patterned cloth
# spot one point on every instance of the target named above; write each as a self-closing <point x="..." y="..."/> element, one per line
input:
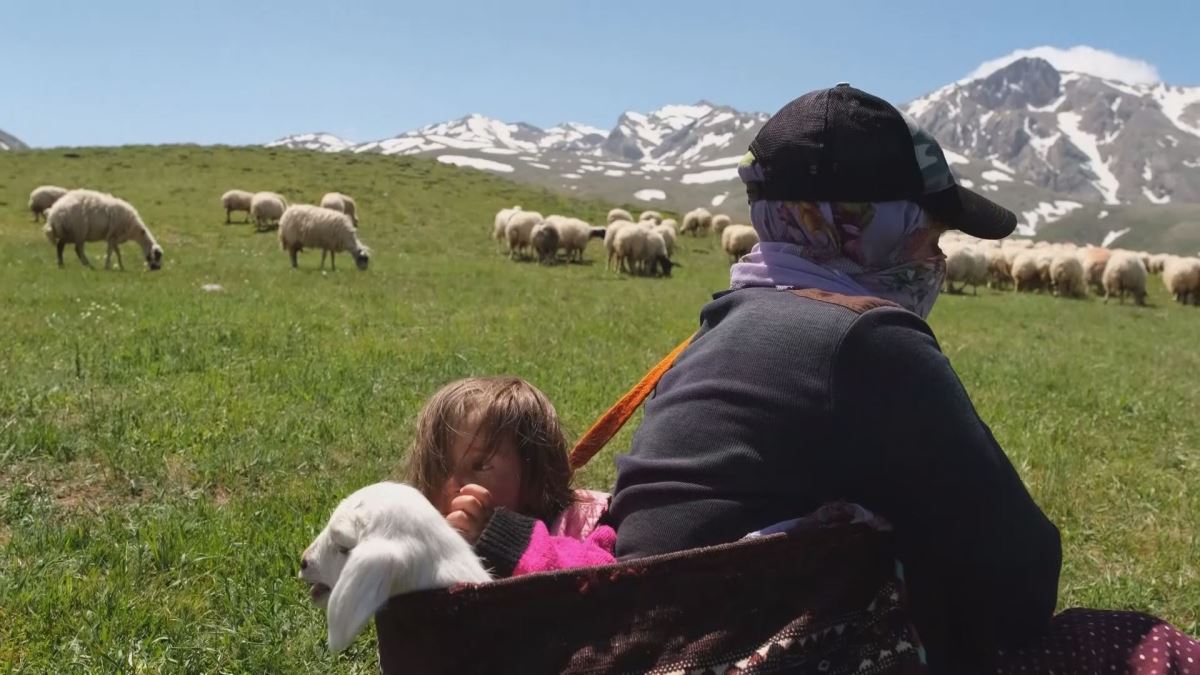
<point x="872" y="249"/>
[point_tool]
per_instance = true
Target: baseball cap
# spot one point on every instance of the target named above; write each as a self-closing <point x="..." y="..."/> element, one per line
<point x="845" y="145"/>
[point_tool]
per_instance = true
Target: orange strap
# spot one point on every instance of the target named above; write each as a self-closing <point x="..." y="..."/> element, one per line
<point x="611" y="421"/>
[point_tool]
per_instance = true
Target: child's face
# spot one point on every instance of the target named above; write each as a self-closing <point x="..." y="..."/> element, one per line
<point x="497" y="469"/>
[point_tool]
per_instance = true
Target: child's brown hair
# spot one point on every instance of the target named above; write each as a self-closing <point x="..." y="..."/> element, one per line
<point x="506" y="409"/>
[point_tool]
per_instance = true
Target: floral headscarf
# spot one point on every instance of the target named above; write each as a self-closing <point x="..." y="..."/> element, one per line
<point x="875" y="249"/>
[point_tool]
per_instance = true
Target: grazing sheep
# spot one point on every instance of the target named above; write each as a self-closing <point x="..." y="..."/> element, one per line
<point x="719" y="223"/>
<point x="1181" y="276"/>
<point x="573" y="235"/>
<point x="86" y="215"/>
<point x="518" y="232"/>
<point x="305" y="226"/>
<point x="619" y="214"/>
<point x="1024" y="272"/>
<point x="667" y="232"/>
<point x="651" y="215"/>
<point x="697" y="222"/>
<point x="1124" y="274"/>
<point x="656" y="257"/>
<point x="267" y="208"/>
<point x="236" y="200"/>
<point x="737" y="240"/>
<point x="999" y="268"/>
<point x="544" y="239"/>
<point x="641" y="250"/>
<point x="1066" y="276"/>
<point x="967" y="266"/>
<point x="340" y="202"/>
<point x="610" y="242"/>
<point x="384" y="539"/>
<point x="1094" y="260"/>
<point x="42" y="198"/>
<point x="1157" y="263"/>
<point x="501" y="222"/>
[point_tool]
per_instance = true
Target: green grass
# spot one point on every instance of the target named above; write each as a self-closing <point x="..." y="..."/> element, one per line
<point x="166" y="453"/>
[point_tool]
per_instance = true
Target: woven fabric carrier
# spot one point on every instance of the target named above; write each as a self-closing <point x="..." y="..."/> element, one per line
<point x="825" y="600"/>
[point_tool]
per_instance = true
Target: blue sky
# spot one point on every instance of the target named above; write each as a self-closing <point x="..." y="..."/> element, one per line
<point x="216" y="71"/>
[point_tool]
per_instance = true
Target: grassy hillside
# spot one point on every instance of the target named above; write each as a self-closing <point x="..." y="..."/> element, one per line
<point x="166" y="453"/>
<point x="1169" y="228"/>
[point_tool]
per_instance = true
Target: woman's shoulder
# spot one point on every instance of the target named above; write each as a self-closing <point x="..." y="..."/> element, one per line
<point x="812" y="315"/>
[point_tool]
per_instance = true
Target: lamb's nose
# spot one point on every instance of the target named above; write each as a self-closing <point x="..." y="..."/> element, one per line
<point x="304" y="563"/>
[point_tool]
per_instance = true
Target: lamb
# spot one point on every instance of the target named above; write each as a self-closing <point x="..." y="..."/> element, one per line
<point x="619" y="214"/>
<point x="267" y="209"/>
<point x="343" y="203"/>
<point x="667" y="232"/>
<point x="1066" y="276"/>
<point x="651" y="215"/>
<point x="966" y="265"/>
<point x="1181" y="276"/>
<point x="737" y="240"/>
<point x="500" y="222"/>
<point x="544" y="238"/>
<point x="1094" y="259"/>
<point x="519" y="230"/>
<point x="719" y="223"/>
<point x="86" y="215"/>
<point x="384" y="539"/>
<point x="306" y="226"/>
<point x="573" y="236"/>
<point x="42" y="198"/>
<point x="236" y="200"/>
<point x="1024" y="271"/>
<point x="697" y="222"/>
<point x="1124" y="274"/>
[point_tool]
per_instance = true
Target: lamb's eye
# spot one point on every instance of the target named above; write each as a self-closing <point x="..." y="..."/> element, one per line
<point x="343" y="550"/>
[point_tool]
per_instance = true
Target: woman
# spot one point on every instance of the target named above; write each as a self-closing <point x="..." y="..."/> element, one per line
<point x="816" y="379"/>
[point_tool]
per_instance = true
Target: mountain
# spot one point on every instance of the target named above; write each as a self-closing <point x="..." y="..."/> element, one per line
<point x="10" y="142"/>
<point x="1045" y="141"/>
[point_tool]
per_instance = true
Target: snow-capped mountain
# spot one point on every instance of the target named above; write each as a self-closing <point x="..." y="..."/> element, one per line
<point x="10" y="142"/>
<point x="1046" y="132"/>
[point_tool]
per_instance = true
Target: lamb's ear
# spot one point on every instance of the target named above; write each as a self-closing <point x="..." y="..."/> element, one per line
<point x="363" y="587"/>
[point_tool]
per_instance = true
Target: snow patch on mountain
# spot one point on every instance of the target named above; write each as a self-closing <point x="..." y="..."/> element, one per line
<point x="475" y="163"/>
<point x="1106" y="182"/>
<point x="650" y="195"/>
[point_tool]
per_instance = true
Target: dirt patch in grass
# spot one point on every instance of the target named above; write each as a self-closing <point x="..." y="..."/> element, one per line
<point x="78" y="486"/>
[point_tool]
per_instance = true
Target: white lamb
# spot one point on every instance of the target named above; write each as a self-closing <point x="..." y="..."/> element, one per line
<point x="1181" y="276"/>
<point x="697" y="222"/>
<point x="619" y="214"/>
<point x="737" y="240"/>
<point x="42" y="198"/>
<point x="236" y="200"/>
<point x="86" y="215"/>
<point x="965" y="265"/>
<point x="1067" y="275"/>
<point x="518" y="232"/>
<point x="720" y="222"/>
<point x="385" y="539"/>
<point x="1123" y="274"/>
<point x="267" y="208"/>
<point x="651" y="215"/>
<point x="343" y="203"/>
<point x="305" y="226"/>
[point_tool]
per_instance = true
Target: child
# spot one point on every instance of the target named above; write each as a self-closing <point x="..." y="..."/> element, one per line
<point x="490" y="455"/>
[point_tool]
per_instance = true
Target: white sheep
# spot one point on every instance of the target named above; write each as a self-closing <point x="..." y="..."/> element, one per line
<point x="999" y="267"/>
<point x="573" y="236"/>
<point x="544" y="239"/>
<point x="651" y="215"/>
<point x="343" y="203"/>
<point x="1094" y="259"/>
<point x="1181" y="276"/>
<point x="1158" y="261"/>
<point x="667" y="232"/>
<point x="42" y="198"/>
<point x="737" y="240"/>
<point x="720" y="222"/>
<point x="966" y="265"/>
<point x="236" y="200"/>
<point x="518" y="232"/>
<point x="305" y="226"/>
<point x="639" y="249"/>
<point x="86" y="215"/>
<point x="500" y="222"/>
<point x="610" y="242"/>
<point x="697" y="222"/>
<point x="384" y="539"/>
<point x="1067" y="276"/>
<point x="1123" y="274"/>
<point x="1024" y="271"/>
<point x="267" y="208"/>
<point x="618" y="214"/>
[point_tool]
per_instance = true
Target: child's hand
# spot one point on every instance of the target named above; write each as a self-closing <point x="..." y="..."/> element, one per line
<point x="470" y="511"/>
